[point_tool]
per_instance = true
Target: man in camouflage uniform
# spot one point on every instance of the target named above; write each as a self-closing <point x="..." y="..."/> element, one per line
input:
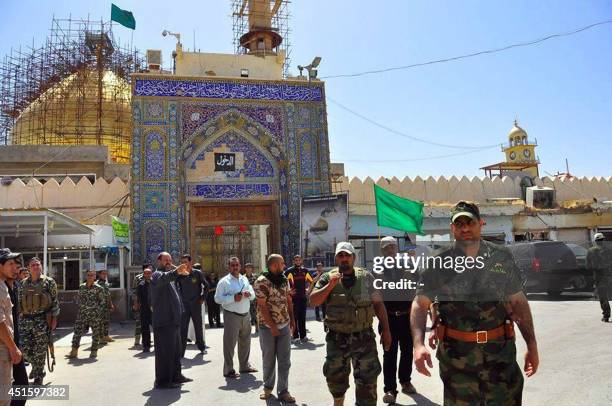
<point x="599" y="261"/>
<point x="351" y="302"/>
<point x="38" y="313"/>
<point x="476" y="288"/>
<point x="135" y="309"/>
<point x="108" y="308"/>
<point x="92" y="301"/>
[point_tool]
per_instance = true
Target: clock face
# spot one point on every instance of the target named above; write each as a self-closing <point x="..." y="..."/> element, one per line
<point x="526" y="153"/>
<point x="513" y="155"/>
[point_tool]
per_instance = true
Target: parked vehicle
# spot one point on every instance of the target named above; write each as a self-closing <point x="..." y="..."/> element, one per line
<point x="583" y="280"/>
<point x="546" y="266"/>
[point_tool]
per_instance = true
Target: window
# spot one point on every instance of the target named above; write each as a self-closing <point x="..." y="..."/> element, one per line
<point x="56" y="271"/>
<point x="112" y="266"/>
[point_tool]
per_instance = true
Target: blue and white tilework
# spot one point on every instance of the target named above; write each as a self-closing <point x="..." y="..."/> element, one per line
<point x="280" y="128"/>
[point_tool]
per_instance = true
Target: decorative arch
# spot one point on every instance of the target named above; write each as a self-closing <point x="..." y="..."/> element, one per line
<point x="261" y="139"/>
<point x="155" y="239"/>
<point x="154" y="156"/>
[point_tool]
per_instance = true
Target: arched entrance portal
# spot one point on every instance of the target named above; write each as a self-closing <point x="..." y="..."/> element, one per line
<point x="234" y="179"/>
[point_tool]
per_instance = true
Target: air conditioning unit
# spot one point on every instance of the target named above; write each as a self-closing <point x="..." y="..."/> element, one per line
<point x="540" y="197"/>
<point x="154" y="59"/>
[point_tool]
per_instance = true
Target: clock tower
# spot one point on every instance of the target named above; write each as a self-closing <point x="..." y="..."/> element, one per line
<point x="519" y="148"/>
<point x="520" y="155"/>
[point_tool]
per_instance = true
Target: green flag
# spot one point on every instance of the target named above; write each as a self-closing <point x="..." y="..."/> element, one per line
<point x="123" y="17"/>
<point x="121" y="230"/>
<point x="398" y="213"/>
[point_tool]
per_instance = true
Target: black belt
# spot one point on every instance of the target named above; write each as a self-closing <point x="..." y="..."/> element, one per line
<point x="237" y="314"/>
<point x="398" y="313"/>
<point x="31" y="316"/>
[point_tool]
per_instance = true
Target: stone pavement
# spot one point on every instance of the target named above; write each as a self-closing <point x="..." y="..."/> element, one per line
<point x="575" y="353"/>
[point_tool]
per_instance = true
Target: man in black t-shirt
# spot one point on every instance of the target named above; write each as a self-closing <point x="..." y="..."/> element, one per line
<point x="299" y="281"/>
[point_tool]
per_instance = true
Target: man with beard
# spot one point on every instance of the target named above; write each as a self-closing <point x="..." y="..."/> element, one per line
<point x="193" y="290"/>
<point x="397" y="303"/>
<point x="91" y="302"/>
<point x="352" y="301"/>
<point x="39" y="308"/>
<point x="234" y="293"/>
<point x="478" y="294"/>
<point x="167" y="313"/>
<point x="299" y="280"/>
<point x="276" y="324"/>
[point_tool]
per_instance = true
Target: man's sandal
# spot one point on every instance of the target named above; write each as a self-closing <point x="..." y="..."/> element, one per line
<point x="265" y="395"/>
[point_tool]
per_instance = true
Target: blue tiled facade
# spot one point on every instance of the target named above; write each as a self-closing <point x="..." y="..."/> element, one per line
<point x="278" y="129"/>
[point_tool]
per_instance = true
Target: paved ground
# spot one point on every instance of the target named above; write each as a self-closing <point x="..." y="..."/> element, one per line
<point x="575" y="353"/>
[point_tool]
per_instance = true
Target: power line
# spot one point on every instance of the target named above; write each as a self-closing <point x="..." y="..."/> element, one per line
<point x="488" y="51"/>
<point x="402" y="134"/>
<point x="413" y="159"/>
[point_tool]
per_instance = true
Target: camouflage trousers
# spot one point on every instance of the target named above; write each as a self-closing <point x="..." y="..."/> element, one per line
<point x="34" y="334"/>
<point x="82" y="325"/>
<point x="105" y="321"/>
<point x="360" y="350"/>
<point x="480" y="374"/>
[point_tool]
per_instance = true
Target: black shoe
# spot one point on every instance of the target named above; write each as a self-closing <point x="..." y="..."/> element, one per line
<point x="171" y="385"/>
<point x="606" y="319"/>
<point x="231" y="374"/>
<point x="183" y="379"/>
<point x="189" y="340"/>
<point x="146" y="349"/>
<point x="38" y="381"/>
<point x="318" y="319"/>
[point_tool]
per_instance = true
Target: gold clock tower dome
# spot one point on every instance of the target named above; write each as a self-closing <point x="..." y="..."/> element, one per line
<point x="520" y="155"/>
<point x="519" y="148"/>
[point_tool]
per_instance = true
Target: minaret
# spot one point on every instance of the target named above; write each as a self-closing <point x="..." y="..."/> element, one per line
<point x="262" y="38"/>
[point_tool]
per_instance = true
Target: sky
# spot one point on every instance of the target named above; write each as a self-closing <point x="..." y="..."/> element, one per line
<point x="559" y="90"/>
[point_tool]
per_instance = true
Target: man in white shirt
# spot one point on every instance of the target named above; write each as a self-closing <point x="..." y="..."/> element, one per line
<point x="234" y="293"/>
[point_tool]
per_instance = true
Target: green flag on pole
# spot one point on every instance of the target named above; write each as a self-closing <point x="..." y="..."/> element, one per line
<point x="398" y="213"/>
<point x="123" y="17"/>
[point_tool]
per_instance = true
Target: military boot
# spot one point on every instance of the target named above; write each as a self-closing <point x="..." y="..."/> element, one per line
<point x="93" y="354"/>
<point x="73" y="353"/>
<point x="38" y="381"/>
<point x="338" y="401"/>
<point x="108" y="339"/>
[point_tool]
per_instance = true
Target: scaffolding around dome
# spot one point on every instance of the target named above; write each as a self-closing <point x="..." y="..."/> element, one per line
<point x="73" y="90"/>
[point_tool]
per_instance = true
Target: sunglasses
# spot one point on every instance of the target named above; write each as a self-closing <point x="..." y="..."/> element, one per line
<point x="463" y="223"/>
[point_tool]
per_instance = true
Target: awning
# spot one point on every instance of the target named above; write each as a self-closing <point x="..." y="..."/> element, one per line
<point x="29" y="222"/>
<point x="36" y="222"/>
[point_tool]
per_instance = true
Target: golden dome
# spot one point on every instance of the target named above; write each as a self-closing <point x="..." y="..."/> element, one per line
<point x="517" y="133"/>
<point x="80" y="109"/>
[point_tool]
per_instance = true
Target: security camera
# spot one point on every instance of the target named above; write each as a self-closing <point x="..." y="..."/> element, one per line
<point x="165" y="32"/>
